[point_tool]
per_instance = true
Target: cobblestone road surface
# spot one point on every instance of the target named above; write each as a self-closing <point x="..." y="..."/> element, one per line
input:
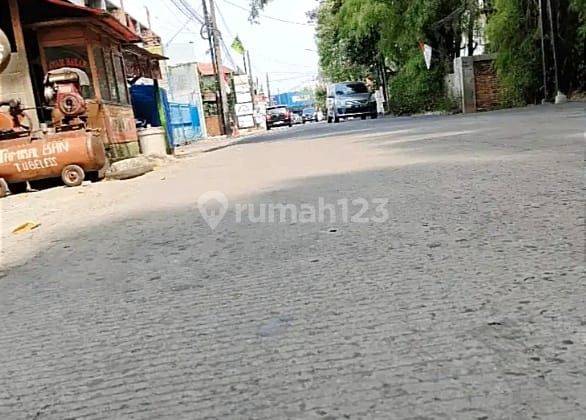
<point x="469" y="303"/>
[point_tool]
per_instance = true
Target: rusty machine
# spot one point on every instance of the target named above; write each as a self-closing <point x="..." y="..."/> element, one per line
<point x="64" y="147"/>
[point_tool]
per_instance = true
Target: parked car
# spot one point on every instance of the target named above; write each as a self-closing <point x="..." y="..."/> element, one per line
<point x="279" y="115"/>
<point x="297" y="118"/>
<point x="309" y="114"/>
<point x="350" y="99"/>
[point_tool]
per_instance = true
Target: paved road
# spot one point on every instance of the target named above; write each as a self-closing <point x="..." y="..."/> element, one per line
<point x="467" y="303"/>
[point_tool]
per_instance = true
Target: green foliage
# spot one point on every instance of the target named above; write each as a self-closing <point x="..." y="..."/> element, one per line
<point x="356" y="36"/>
<point x="416" y="89"/>
<point x="579" y="6"/>
<point x="342" y="57"/>
<point x="255" y="7"/>
<point x="514" y="36"/>
<point x="320" y="97"/>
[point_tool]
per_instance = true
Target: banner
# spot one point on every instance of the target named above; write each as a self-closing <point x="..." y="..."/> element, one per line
<point x="238" y="46"/>
<point x="427" y="53"/>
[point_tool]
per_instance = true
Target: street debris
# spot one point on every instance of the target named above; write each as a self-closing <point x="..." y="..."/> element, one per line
<point x="275" y="326"/>
<point x="25" y="228"/>
<point x="130" y="168"/>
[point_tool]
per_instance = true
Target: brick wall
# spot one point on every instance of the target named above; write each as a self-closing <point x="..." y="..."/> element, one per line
<point x="486" y="86"/>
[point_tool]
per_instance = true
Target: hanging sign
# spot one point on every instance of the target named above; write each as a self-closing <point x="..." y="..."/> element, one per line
<point x="244" y="109"/>
<point x="427" y="53"/>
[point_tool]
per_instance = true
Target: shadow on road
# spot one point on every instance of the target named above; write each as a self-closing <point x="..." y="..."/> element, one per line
<point x="159" y="313"/>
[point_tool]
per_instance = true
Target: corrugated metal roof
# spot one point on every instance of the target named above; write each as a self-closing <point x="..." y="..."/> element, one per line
<point x="124" y="33"/>
<point x="207" y="69"/>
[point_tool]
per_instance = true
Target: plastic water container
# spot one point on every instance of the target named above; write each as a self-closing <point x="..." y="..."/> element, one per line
<point x="153" y="141"/>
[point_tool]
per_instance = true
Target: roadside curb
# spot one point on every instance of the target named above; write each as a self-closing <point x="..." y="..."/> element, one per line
<point x="135" y="167"/>
<point x="211" y="145"/>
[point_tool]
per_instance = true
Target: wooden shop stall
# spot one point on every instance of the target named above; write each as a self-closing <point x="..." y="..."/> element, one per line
<point x="95" y="42"/>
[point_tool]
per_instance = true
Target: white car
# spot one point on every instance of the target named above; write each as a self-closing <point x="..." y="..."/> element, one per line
<point x="297" y="119"/>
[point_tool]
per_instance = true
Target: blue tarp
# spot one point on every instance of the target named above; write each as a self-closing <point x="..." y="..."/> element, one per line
<point x="297" y="100"/>
<point x="182" y="121"/>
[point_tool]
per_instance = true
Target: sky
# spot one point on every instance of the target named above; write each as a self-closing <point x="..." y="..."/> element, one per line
<point x="286" y="51"/>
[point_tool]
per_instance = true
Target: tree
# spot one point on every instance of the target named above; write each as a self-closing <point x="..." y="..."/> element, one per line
<point x="255" y="7"/>
<point x="389" y="32"/>
<point x="358" y="37"/>
<point x="513" y="32"/>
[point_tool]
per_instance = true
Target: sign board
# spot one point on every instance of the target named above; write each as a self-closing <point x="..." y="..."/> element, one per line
<point x="241" y="80"/>
<point x="241" y="84"/>
<point x="242" y="88"/>
<point x="427" y="51"/>
<point x="120" y="123"/>
<point x="300" y="98"/>
<point x="243" y="97"/>
<point x="246" y="121"/>
<point x="244" y="109"/>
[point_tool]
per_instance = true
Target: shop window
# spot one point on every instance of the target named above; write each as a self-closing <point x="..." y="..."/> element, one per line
<point x="72" y="57"/>
<point x="120" y="78"/>
<point x="103" y="79"/>
<point x="114" y="97"/>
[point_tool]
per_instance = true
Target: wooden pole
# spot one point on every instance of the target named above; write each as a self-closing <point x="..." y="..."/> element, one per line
<point x="543" y="57"/>
<point x="17" y="26"/>
<point x="218" y="53"/>
<point x="553" y="46"/>
<point x="148" y="14"/>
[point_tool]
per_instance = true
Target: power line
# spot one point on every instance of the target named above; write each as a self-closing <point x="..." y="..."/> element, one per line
<point x="226" y="26"/>
<point x="267" y="16"/>
<point x="227" y="29"/>
<point x="294" y="78"/>
<point x="187" y="10"/>
<point x="283" y="63"/>
<point x="294" y="72"/>
<point x="178" y="32"/>
<point x="230" y="58"/>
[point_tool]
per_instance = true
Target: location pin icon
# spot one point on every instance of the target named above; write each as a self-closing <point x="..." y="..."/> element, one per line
<point x="213" y="206"/>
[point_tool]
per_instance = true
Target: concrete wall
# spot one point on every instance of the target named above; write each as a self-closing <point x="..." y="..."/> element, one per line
<point x="184" y="88"/>
<point x="453" y="87"/>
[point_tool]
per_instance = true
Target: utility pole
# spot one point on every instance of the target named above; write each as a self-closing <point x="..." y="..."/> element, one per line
<point x="209" y="33"/>
<point x="384" y="81"/>
<point x="148" y="14"/>
<point x="553" y="47"/>
<point x="543" y="56"/>
<point x="269" y="90"/>
<point x="250" y="79"/>
<point x="220" y="68"/>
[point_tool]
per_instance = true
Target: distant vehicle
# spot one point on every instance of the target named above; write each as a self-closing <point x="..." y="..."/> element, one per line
<point x="297" y="118"/>
<point x="309" y="114"/>
<point x="279" y="115"/>
<point x="320" y="116"/>
<point x="350" y="99"/>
